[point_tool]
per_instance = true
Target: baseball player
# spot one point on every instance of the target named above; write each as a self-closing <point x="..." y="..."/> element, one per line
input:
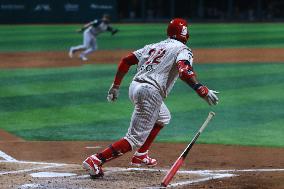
<point x="158" y="67"/>
<point x="91" y="31"/>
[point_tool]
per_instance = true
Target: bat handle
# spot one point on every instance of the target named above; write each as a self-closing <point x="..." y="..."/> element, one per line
<point x="208" y="119"/>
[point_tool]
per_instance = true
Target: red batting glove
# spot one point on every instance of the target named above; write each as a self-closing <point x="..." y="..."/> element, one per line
<point x="202" y="91"/>
<point x="208" y="95"/>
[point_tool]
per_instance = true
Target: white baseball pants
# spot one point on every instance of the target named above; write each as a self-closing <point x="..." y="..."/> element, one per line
<point x="149" y="109"/>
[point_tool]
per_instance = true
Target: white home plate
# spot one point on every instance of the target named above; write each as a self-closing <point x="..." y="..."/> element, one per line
<point x="52" y="174"/>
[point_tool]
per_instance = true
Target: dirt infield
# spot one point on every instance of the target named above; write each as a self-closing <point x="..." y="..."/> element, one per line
<point x="60" y="59"/>
<point x="227" y="166"/>
<point x="42" y="164"/>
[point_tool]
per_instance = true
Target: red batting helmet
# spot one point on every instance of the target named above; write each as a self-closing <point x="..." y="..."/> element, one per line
<point x="177" y="29"/>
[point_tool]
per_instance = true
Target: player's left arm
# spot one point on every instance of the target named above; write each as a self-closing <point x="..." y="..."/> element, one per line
<point x="188" y="75"/>
<point x="122" y="70"/>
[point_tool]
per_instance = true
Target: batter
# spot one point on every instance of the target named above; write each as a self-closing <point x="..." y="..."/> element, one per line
<point x="158" y="67"/>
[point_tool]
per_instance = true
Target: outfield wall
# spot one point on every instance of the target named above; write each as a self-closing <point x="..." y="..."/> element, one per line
<point x="51" y="11"/>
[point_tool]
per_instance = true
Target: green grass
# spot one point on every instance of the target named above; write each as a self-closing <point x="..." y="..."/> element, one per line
<point x="131" y="36"/>
<point x="70" y="104"/>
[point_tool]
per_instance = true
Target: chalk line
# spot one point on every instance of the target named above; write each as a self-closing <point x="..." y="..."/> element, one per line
<point x="210" y="174"/>
<point x="7" y="157"/>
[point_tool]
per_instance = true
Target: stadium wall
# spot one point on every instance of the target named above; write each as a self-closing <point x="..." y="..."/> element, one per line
<point x="51" y="11"/>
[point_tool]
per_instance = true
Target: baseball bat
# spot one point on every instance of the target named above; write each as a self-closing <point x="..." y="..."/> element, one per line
<point x="171" y="173"/>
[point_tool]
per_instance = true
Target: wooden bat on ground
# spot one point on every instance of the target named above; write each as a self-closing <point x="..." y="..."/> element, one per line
<point x="171" y="173"/>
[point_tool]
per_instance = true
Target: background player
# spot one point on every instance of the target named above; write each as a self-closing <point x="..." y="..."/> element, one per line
<point x="91" y="31"/>
<point x="158" y="67"/>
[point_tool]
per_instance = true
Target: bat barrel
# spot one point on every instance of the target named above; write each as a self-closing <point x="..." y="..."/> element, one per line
<point x="167" y="179"/>
<point x="171" y="173"/>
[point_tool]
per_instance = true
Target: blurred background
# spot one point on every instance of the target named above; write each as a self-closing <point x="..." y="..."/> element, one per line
<point x="70" y="11"/>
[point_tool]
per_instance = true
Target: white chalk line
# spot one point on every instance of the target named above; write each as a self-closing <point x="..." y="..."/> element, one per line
<point x="28" y="186"/>
<point x="201" y="180"/>
<point x="48" y="165"/>
<point x="35" y="162"/>
<point x="244" y="170"/>
<point x="93" y="147"/>
<point x="7" y="157"/>
<point x="200" y="172"/>
<point x="210" y="174"/>
<point x="29" y="170"/>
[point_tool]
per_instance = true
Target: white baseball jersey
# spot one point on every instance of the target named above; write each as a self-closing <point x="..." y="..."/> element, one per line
<point x="97" y="27"/>
<point x="157" y="64"/>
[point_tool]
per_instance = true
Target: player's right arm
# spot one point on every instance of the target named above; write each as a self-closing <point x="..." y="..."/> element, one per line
<point x="122" y="70"/>
<point x="92" y="23"/>
<point x="187" y="74"/>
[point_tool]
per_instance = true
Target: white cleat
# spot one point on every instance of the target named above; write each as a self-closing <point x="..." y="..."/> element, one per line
<point x="142" y="159"/>
<point x="71" y="53"/>
<point x="94" y="166"/>
<point x="83" y="58"/>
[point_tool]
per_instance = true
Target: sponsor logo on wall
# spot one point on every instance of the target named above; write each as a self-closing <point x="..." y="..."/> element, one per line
<point x="71" y="7"/>
<point x="101" y="7"/>
<point x="42" y="8"/>
<point x="12" y="7"/>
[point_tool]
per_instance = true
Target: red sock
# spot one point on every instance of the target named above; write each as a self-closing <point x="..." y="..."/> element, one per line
<point x="114" y="150"/>
<point x="154" y="132"/>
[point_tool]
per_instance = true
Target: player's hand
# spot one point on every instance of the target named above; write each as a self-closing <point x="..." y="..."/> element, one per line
<point x="212" y="98"/>
<point x="114" y="31"/>
<point x="208" y="95"/>
<point x="113" y="93"/>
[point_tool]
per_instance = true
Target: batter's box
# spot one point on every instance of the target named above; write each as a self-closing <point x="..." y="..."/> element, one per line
<point x="114" y="178"/>
<point x="140" y="178"/>
<point x="7" y="167"/>
<point x="16" y="167"/>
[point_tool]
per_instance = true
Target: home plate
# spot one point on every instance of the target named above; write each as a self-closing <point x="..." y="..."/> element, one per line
<point x="52" y="174"/>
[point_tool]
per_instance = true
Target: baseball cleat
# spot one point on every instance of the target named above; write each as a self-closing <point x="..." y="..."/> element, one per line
<point x="83" y="58"/>
<point x="142" y="159"/>
<point x="94" y="166"/>
<point x="71" y="53"/>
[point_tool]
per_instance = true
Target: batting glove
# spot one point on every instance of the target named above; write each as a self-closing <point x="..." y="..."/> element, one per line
<point x="212" y="98"/>
<point x="208" y="95"/>
<point x="113" y="93"/>
<point x="114" y="31"/>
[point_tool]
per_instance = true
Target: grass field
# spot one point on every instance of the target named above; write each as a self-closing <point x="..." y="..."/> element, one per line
<point x="61" y="37"/>
<point x="70" y="103"/>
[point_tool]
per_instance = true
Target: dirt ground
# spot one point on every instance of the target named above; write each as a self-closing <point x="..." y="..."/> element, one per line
<point x="57" y="164"/>
<point x="60" y="59"/>
<point x="264" y="166"/>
